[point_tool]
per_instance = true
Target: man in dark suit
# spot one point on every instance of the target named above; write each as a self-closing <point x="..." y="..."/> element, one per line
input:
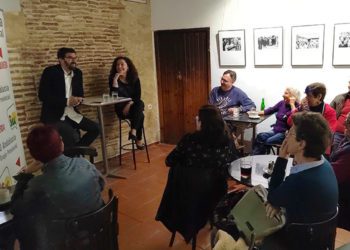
<point x="61" y="92"/>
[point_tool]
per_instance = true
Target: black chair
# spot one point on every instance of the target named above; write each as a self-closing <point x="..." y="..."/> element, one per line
<point x="275" y="148"/>
<point x="313" y="236"/>
<point x="76" y="151"/>
<point x="81" y="151"/>
<point x="96" y="230"/>
<point x="132" y="144"/>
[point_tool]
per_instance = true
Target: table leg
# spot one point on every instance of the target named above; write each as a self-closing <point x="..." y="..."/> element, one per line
<point x="253" y="136"/>
<point x="103" y="146"/>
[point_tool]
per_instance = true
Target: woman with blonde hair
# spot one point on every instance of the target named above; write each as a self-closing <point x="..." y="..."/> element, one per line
<point x="283" y="110"/>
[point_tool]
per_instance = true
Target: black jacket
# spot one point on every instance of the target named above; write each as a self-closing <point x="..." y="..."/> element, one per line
<point x="52" y="92"/>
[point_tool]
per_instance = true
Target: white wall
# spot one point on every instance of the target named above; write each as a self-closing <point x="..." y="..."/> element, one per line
<point x="249" y="14"/>
<point x="10" y="5"/>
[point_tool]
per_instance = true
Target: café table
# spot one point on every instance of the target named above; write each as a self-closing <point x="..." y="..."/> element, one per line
<point x="258" y="163"/>
<point x="243" y="121"/>
<point x="99" y="102"/>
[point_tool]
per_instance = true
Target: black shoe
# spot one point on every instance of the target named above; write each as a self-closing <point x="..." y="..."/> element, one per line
<point x="132" y="137"/>
<point x="140" y="147"/>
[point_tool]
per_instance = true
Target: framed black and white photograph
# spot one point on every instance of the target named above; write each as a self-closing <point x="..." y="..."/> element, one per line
<point x="268" y="46"/>
<point x="307" y="45"/>
<point x="341" y="44"/>
<point x="232" y="47"/>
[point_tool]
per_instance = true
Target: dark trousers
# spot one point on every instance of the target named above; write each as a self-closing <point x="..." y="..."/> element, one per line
<point x="135" y="116"/>
<point x="69" y="130"/>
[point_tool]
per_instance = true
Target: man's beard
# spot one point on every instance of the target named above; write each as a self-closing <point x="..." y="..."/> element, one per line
<point x="72" y="66"/>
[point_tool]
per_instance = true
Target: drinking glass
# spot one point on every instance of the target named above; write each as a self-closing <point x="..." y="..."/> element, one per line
<point x="105" y="97"/>
<point x="246" y="168"/>
<point x="235" y="111"/>
<point x="114" y="96"/>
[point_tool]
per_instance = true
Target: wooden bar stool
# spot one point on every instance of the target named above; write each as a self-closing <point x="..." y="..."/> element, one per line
<point x="132" y="144"/>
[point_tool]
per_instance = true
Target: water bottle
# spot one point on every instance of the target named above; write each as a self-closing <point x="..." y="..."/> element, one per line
<point x="262" y="105"/>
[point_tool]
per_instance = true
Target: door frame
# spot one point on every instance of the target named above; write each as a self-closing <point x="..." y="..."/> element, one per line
<point x="159" y="84"/>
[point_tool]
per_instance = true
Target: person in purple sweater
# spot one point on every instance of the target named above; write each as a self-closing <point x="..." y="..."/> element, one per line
<point x="283" y="109"/>
<point x="228" y="96"/>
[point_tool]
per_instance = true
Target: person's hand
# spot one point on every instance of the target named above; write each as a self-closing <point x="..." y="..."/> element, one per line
<point x="127" y="108"/>
<point x="261" y="113"/>
<point x="74" y="101"/>
<point x="230" y="110"/>
<point x="304" y="104"/>
<point x="115" y="80"/>
<point x="271" y="211"/>
<point x="79" y="100"/>
<point x="283" y="150"/>
<point x="30" y="169"/>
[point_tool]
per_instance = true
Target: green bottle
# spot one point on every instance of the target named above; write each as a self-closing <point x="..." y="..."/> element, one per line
<point x="262" y="105"/>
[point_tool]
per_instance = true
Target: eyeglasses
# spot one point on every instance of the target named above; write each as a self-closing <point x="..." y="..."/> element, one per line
<point x="224" y="80"/>
<point x="71" y="57"/>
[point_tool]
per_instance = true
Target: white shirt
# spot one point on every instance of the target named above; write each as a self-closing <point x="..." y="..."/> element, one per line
<point x="68" y="110"/>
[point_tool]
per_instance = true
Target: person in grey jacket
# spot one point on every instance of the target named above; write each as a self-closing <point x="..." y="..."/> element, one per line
<point x="67" y="187"/>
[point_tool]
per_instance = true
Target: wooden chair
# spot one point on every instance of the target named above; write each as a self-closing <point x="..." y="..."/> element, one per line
<point x="96" y="230"/>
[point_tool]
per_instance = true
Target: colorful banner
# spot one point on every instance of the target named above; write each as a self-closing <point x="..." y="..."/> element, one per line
<point x="11" y="148"/>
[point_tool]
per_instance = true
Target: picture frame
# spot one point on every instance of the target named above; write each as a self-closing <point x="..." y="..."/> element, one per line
<point x="307" y="45"/>
<point x="137" y="1"/>
<point x="341" y="44"/>
<point x="232" y="47"/>
<point x="268" y="46"/>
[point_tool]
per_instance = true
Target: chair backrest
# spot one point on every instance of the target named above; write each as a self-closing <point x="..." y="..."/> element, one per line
<point x="319" y="235"/>
<point x="97" y="230"/>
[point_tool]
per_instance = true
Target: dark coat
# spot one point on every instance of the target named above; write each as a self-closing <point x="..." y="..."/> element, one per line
<point x="189" y="199"/>
<point x="52" y="92"/>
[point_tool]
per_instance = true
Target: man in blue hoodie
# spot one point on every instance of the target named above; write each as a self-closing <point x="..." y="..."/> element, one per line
<point x="228" y="96"/>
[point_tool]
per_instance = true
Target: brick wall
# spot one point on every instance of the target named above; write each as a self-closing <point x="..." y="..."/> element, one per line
<point x="92" y="28"/>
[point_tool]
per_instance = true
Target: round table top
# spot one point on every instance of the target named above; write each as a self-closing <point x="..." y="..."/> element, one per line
<point x="258" y="162"/>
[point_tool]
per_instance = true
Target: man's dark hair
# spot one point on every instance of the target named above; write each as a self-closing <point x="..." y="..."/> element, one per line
<point x="314" y="130"/>
<point x="315" y="89"/>
<point x="61" y="52"/>
<point x="233" y="74"/>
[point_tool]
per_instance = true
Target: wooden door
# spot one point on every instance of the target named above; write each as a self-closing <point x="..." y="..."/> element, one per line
<point x="183" y="74"/>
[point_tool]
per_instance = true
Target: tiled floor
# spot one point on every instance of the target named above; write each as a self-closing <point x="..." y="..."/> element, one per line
<point x="139" y="197"/>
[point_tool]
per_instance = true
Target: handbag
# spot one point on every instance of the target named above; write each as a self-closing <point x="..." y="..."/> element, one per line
<point x="249" y="215"/>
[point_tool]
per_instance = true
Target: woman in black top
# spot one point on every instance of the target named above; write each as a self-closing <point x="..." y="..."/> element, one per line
<point x="123" y="78"/>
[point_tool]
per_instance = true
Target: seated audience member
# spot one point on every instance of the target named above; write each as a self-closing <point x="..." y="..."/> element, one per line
<point x="61" y="92"/>
<point x="197" y="175"/>
<point x="228" y="96"/>
<point x="310" y="193"/>
<point x="341" y="104"/>
<point x="68" y="187"/>
<point x="314" y="101"/>
<point x="340" y="161"/>
<point x="283" y="109"/>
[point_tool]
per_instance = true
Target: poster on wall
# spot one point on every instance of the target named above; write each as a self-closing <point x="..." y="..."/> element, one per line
<point x="11" y="148"/>
<point x="232" y="48"/>
<point x="268" y="46"/>
<point x="307" y="45"/>
<point x="341" y="44"/>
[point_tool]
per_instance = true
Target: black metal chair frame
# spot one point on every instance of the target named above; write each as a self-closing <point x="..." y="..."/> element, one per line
<point x="133" y="143"/>
<point x="80" y="236"/>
